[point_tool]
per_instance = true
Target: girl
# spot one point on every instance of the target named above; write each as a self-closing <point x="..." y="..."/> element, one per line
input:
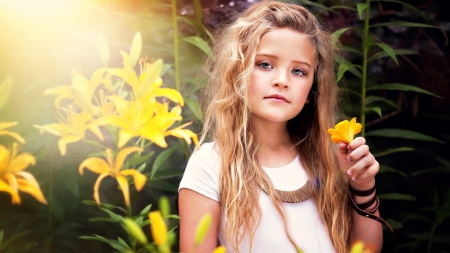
<point x="271" y="178"/>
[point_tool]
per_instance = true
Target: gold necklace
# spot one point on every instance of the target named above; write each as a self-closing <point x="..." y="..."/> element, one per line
<point x="301" y="194"/>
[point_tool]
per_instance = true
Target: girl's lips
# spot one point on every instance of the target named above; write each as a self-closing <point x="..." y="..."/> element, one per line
<point x="277" y="97"/>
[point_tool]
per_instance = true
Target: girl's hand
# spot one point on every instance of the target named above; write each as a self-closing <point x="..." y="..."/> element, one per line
<point x="356" y="161"/>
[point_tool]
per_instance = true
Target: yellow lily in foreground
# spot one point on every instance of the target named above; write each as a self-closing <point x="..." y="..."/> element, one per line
<point x="359" y="247"/>
<point x="71" y="128"/>
<point x="345" y="131"/>
<point x="13" y="177"/>
<point x="16" y="136"/>
<point x="159" y="231"/>
<point x="113" y="167"/>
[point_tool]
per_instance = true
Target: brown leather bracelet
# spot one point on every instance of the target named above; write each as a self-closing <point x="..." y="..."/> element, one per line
<point x="369" y="214"/>
<point x="361" y="193"/>
<point x="368" y="203"/>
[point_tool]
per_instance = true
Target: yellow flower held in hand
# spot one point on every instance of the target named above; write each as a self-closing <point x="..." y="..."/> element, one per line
<point x="359" y="247"/>
<point x="345" y="131"/>
<point x="112" y="167"/>
<point x="158" y="228"/>
<point x="13" y="177"/>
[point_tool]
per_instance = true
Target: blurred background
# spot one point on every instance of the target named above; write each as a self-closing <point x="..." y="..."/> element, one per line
<point x="43" y="41"/>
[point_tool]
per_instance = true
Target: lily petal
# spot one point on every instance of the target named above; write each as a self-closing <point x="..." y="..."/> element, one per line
<point x="125" y="189"/>
<point x="345" y="131"/>
<point x="66" y="140"/>
<point x="139" y="178"/>
<point x="4" y="125"/>
<point x="31" y="188"/>
<point x="21" y="162"/>
<point x="94" y="164"/>
<point x="4" y="187"/>
<point x="97" y="186"/>
<point x="122" y="155"/>
<point x="14" y="135"/>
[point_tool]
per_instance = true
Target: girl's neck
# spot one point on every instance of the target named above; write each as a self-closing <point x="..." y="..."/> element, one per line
<point x="276" y="147"/>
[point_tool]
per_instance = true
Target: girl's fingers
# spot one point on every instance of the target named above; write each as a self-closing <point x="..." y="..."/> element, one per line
<point x="358" y="153"/>
<point x="366" y="176"/>
<point x="362" y="164"/>
<point x="356" y="143"/>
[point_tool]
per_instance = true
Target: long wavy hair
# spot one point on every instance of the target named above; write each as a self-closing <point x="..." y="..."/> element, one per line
<point x="228" y="123"/>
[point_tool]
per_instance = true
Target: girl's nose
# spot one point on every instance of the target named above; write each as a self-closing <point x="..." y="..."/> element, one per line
<point x="281" y="79"/>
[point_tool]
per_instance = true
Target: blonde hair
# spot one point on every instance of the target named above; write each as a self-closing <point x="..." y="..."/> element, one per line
<point x="228" y="119"/>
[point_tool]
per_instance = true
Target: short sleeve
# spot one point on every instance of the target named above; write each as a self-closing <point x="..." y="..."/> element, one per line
<point x="202" y="172"/>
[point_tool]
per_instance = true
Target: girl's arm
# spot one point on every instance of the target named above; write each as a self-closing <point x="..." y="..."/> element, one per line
<point x="192" y="207"/>
<point x="360" y="166"/>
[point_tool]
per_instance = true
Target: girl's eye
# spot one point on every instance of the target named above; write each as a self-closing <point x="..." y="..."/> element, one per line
<point x="298" y="72"/>
<point x="265" y="65"/>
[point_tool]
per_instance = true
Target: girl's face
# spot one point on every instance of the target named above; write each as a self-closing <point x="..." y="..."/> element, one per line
<point x="282" y="76"/>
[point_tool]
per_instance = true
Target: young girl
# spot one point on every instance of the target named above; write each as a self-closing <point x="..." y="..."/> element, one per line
<point x="271" y="178"/>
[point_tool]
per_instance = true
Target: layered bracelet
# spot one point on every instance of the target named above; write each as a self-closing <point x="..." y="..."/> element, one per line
<point x="361" y="209"/>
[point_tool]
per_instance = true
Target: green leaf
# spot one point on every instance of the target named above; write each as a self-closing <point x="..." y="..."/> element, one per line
<point x="136" y="48"/>
<point x="122" y="241"/>
<point x="142" y="167"/>
<point x="162" y="157"/>
<point x="396" y="196"/>
<point x="348" y="49"/>
<point x="114" y="244"/>
<point x="373" y="99"/>
<point x="375" y="109"/>
<point x="392" y="150"/>
<point x="166" y="174"/>
<point x="337" y="34"/>
<point x="400" y="86"/>
<point x="11" y="239"/>
<point x="135" y="230"/>
<point x="113" y="215"/>
<point x="200" y="43"/>
<point x="361" y="7"/>
<point x="1" y="237"/>
<point x="385" y="169"/>
<point x="404" y="23"/>
<point x="341" y="60"/>
<point x="388" y="50"/>
<point x="342" y="69"/>
<point x="103" y="205"/>
<point x="5" y="90"/>
<point x="195" y="107"/>
<point x="396" y="52"/>
<point x="102" y="219"/>
<point x="133" y="161"/>
<point x="394" y="224"/>
<point x="164" y="185"/>
<point x="146" y="209"/>
<point x="103" y="49"/>
<point x="405" y="134"/>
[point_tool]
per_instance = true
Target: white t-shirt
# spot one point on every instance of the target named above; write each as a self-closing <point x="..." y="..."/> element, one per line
<point x="307" y="229"/>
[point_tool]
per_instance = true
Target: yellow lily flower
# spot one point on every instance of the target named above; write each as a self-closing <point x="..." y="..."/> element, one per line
<point x="359" y="247"/>
<point x="148" y="83"/>
<point x="219" y="249"/>
<point x="81" y="90"/>
<point x="113" y="167"/>
<point x="16" y="136"/>
<point x="159" y="229"/>
<point x="345" y="131"/>
<point x="71" y="128"/>
<point x="13" y="177"/>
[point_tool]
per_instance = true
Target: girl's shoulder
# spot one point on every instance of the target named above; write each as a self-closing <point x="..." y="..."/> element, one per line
<point x="207" y="151"/>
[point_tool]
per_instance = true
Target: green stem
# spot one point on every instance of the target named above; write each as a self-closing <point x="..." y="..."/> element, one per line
<point x="50" y="211"/>
<point x="366" y="47"/>
<point x="175" y="45"/>
<point x="177" y="62"/>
